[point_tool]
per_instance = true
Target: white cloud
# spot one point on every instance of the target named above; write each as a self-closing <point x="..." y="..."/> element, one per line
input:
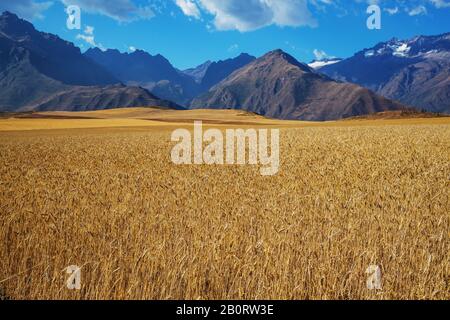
<point x="440" y="3"/>
<point x="417" y="11"/>
<point x="120" y="10"/>
<point x="241" y="15"/>
<point x="254" y="14"/>
<point x="321" y="55"/>
<point x="189" y="8"/>
<point x="131" y="49"/>
<point x="392" y="11"/>
<point x="26" y="9"/>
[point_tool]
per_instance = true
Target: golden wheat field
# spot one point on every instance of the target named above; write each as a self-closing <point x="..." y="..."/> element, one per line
<point x="109" y="200"/>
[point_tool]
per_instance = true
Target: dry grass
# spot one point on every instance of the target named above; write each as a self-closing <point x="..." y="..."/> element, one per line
<point x="130" y="117"/>
<point x="151" y="117"/>
<point x="140" y="227"/>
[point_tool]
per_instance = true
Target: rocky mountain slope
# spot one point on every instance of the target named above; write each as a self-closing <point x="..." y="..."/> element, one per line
<point x="219" y="70"/>
<point x="278" y="86"/>
<point x="415" y="71"/>
<point x="36" y="66"/>
<point x="154" y="73"/>
<point x="198" y="73"/>
<point x="98" y="98"/>
<point x="157" y="74"/>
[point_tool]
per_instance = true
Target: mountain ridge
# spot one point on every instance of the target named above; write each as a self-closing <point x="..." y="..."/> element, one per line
<point x="277" y="85"/>
<point x="41" y="70"/>
<point x="414" y="71"/>
<point x="37" y="66"/>
<point x="221" y="69"/>
<point x="152" y="72"/>
<point x="159" y="76"/>
<point x="198" y="73"/>
<point x="50" y="54"/>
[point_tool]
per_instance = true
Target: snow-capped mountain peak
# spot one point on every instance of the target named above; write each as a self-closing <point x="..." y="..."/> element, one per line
<point x="415" y="72"/>
<point x="415" y="47"/>
<point x="401" y="49"/>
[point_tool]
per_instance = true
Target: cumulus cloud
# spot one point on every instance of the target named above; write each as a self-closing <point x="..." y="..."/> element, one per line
<point x="441" y="3"/>
<point x="419" y="10"/>
<point x="26" y="9"/>
<point x="321" y="55"/>
<point x="189" y="8"/>
<point x="255" y="14"/>
<point x="247" y="15"/>
<point x="241" y="15"/>
<point x="251" y="15"/>
<point x="120" y="10"/>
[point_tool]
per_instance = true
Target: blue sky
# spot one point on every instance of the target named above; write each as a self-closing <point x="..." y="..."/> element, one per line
<point x="189" y="32"/>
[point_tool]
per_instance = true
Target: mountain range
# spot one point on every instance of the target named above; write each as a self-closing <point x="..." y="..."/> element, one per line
<point x="40" y="71"/>
<point x="157" y="74"/>
<point x="415" y="72"/>
<point x="278" y="86"/>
